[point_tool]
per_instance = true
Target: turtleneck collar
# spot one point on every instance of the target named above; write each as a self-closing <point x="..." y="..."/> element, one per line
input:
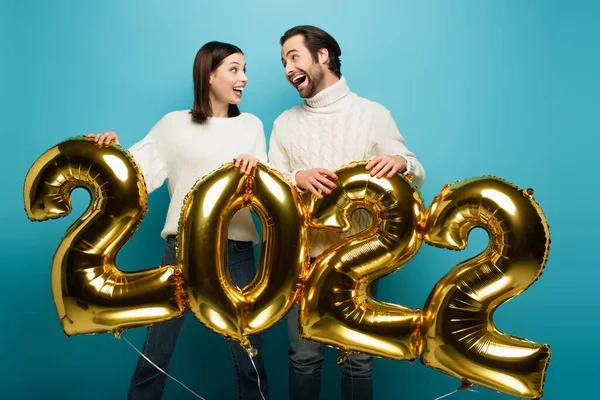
<point x="328" y="96"/>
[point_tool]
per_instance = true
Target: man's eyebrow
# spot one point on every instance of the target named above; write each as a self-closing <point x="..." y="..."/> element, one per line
<point x="289" y="51"/>
<point x="287" y="54"/>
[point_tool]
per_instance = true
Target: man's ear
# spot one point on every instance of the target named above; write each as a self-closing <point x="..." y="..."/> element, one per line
<point x="324" y="56"/>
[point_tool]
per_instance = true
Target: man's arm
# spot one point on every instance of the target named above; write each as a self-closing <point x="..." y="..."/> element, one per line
<point x="315" y="180"/>
<point x="391" y="144"/>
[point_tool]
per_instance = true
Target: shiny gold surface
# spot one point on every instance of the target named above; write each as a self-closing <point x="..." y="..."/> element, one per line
<point x="91" y="294"/>
<point x="454" y="333"/>
<point x="459" y="335"/>
<point x="213" y="298"/>
<point x="336" y="307"/>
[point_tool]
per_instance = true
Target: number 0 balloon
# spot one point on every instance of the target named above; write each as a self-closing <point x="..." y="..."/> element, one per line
<point x="215" y="301"/>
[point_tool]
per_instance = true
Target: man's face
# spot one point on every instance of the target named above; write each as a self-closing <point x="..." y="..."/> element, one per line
<point x="306" y="75"/>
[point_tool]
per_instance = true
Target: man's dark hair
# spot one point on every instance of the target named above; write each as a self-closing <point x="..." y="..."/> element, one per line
<point x="316" y="39"/>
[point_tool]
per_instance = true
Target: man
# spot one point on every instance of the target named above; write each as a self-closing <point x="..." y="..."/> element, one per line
<point x="332" y="127"/>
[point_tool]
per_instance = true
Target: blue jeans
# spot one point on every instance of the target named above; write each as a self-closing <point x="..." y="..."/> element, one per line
<point x="148" y="383"/>
<point x="306" y="358"/>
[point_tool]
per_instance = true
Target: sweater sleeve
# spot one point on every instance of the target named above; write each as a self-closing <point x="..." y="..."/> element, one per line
<point x="391" y="142"/>
<point x="147" y="155"/>
<point x="278" y="156"/>
<point x="260" y="144"/>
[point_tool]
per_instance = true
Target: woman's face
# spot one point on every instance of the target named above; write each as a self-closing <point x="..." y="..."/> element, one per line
<point x="228" y="81"/>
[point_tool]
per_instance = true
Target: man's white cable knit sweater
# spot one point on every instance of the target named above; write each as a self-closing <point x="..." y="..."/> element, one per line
<point x="331" y="129"/>
<point x="181" y="151"/>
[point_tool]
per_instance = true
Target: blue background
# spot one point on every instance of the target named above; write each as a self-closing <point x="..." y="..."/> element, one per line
<point x="507" y="88"/>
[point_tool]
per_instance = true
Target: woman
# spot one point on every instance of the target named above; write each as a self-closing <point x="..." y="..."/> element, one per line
<point x="181" y="148"/>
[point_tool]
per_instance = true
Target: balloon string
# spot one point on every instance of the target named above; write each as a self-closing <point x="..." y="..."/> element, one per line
<point x="451" y="393"/>
<point x="258" y="375"/>
<point x="164" y="372"/>
<point x="446" y="395"/>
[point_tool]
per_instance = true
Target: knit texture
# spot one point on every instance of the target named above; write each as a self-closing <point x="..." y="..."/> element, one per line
<point x="329" y="130"/>
<point x="181" y="152"/>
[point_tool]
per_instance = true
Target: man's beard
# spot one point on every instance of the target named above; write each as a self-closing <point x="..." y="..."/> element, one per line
<point x="315" y="77"/>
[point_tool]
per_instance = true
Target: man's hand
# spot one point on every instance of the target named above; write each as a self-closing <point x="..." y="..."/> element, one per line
<point x="386" y="164"/>
<point x="315" y="180"/>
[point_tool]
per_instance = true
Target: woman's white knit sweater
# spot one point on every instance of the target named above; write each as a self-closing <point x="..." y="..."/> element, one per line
<point x="181" y="151"/>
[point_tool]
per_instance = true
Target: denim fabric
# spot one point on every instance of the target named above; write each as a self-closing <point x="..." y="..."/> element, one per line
<point x="306" y="358"/>
<point x="148" y="383"/>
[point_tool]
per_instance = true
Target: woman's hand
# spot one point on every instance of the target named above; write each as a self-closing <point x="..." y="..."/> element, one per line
<point x="246" y="162"/>
<point x="104" y="139"/>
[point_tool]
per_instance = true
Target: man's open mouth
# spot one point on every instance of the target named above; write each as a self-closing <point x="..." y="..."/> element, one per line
<point x="298" y="80"/>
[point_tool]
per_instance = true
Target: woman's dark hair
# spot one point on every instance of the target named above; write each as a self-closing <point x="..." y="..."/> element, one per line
<point x="208" y="59"/>
<point x="316" y="39"/>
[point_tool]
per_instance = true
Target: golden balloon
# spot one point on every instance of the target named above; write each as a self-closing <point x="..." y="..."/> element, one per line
<point x="459" y="335"/>
<point x="91" y="294"/>
<point x="454" y="333"/>
<point x="213" y="298"/>
<point x="336" y="307"/>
